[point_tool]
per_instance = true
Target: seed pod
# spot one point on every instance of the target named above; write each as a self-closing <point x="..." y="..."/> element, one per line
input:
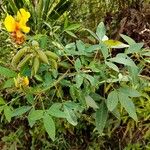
<point x="42" y="56"/>
<point x="51" y="55"/>
<point x="36" y="64"/>
<point x="24" y="61"/>
<point x="18" y="56"/>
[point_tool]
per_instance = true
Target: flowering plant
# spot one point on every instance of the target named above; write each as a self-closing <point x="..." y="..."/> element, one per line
<point x="68" y="81"/>
<point x="17" y="25"/>
<point x="21" y="81"/>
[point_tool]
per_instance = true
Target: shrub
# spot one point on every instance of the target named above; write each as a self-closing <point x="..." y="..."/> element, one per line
<point x="53" y="86"/>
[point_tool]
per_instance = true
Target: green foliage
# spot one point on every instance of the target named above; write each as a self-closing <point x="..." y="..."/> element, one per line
<point x="112" y="100"/>
<point x="74" y="85"/>
<point x="91" y="12"/>
<point x="49" y="125"/>
<point x="101" y="117"/>
<point x="45" y="13"/>
<point x="7" y="72"/>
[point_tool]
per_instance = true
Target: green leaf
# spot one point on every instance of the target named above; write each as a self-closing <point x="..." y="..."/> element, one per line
<point x="66" y="22"/>
<point x="112" y="66"/>
<point x="93" y="48"/>
<point x="13" y="6"/>
<point x="58" y="45"/>
<point x="92" y="33"/>
<point x="8" y="83"/>
<point x="96" y="97"/>
<point x="81" y="97"/>
<point x="21" y="110"/>
<point x="71" y="34"/>
<point x="72" y="27"/>
<point x="101" y="31"/>
<point x="80" y="45"/>
<point x="90" y="78"/>
<point x="79" y="80"/>
<point x="94" y="66"/>
<point x="134" y="48"/>
<point x="49" y="126"/>
<point x="30" y="98"/>
<point x="104" y="50"/>
<point x="129" y="40"/>
<point x="71" y="46"/>
<point x="116" y="113"/>
<point x="146" y="53"/>
<point x="72" y="105"/>
<point x="1" y="108"/>
<point x="90" y="102"/>
<point x="123" y="59"/>
<point x="7" y="113"/>
<point x="7" y="72"/>
<point x="147" y="60"/>
<point x="43" y="41"/>
<point x="65" y="83"/>
<point x="70" y="115"/>
<point x="129" y="106"/>
<point x="2" y="102"/>
<point x="34" y="115"/>
<point x="101" y="117"/>
<point x="39" y="8"/>
<point x="134" y="72"/>
<point x="112" y="100"/>
<point x="71" y="53"/>
<point x="72" y="92"/>
<point x="78" y="64"/>
<point x="130" y="91"/>
<point x="55" y="110"/>
<point x="46" y="5"/>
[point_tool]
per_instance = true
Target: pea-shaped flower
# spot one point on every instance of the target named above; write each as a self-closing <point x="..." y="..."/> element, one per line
<point x="17" y="25"/>
<point x="21" y="81"/>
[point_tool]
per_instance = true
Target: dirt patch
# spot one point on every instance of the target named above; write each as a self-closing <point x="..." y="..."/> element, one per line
<point x="134" y="23"/>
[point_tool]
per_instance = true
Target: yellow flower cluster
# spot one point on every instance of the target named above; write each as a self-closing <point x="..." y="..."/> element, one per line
<point x="21" y="81"/>
<point x="18" y="25"/>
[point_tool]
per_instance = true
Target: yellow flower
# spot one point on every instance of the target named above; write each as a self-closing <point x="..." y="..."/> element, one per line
<point x="10" y="23"/>
<point x="25" y="81"/>
<point x="23" y="15"/>
<point x="18" y="23"/>
<point x="21" y="81"/>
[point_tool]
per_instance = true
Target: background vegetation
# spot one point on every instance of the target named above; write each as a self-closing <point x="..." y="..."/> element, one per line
<point x="87" y="62"/>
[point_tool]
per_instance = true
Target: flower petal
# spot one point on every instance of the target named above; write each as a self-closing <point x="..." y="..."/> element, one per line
<point x="25" y="81"/>
<point x="10" y="23"/>
<point x="25" y="29"/>
<point x="23" y="14"/>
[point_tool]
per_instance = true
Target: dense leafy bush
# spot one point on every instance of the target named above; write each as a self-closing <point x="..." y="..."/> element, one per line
<point x="57" y="88"/>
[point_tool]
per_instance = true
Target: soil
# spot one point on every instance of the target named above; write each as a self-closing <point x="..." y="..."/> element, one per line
<point x="134" y="22"/>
